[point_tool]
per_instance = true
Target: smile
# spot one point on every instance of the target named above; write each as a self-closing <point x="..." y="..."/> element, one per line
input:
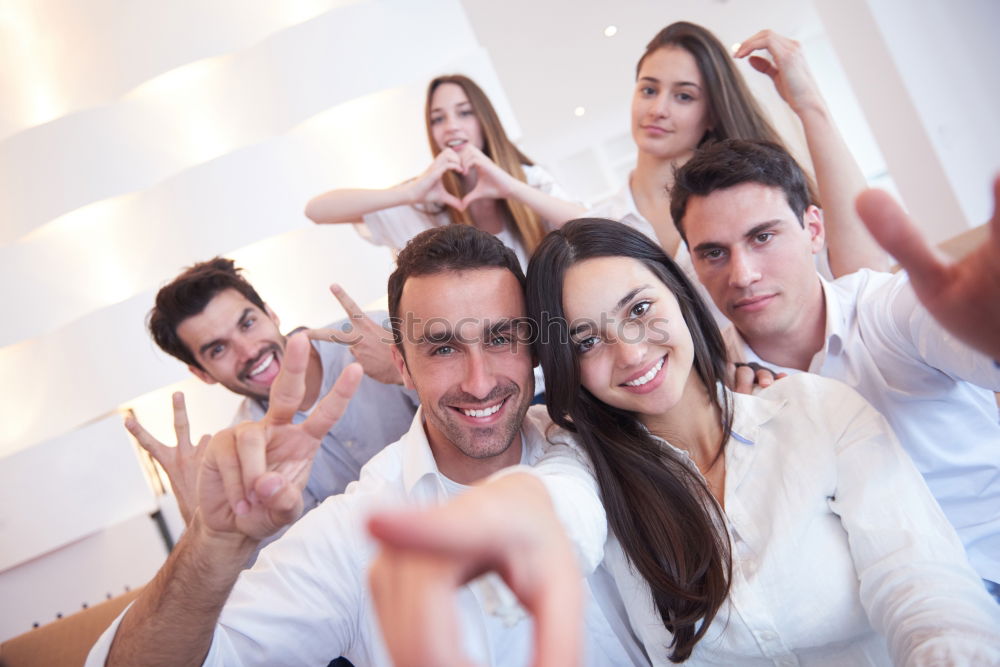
<point x="648" y="376"/>
<point x="485" y="412"/>
<point x="455" y="143"/>
<point x="262" y="366"/>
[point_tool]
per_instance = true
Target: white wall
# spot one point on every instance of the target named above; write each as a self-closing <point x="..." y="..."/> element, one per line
<point x="137" y="138"/>
<point x="925" y="74"/>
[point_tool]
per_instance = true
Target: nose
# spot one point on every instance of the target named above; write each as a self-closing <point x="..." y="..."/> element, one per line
<point x="743" y="271"/>
<point x="661" y="106"/>
<point x="478" y="380"/>
<point x="244" y="348"/>
<point x="630" y="353"/>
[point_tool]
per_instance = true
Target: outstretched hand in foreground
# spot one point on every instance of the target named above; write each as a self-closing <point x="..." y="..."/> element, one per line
<point x="964" y="296"/>
<point x="508" y="526"/>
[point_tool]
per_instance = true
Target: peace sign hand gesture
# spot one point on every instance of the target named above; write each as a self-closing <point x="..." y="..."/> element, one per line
<point x="181" y="463"/>
<point x="252" y="478"/>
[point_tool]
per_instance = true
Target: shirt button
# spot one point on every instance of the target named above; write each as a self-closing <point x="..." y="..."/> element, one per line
<point x="767" y="636"/>
<point x="349" y="443"/>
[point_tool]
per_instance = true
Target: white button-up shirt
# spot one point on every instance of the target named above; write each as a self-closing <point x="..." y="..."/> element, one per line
<point x="935" y="391"/>
<point x="306" y="600"/>
<point x="840" y="554"/>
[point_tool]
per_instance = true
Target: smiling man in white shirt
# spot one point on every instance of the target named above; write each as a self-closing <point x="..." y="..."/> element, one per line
<point x="743" y="210"/>
<point x="305" y="601"/>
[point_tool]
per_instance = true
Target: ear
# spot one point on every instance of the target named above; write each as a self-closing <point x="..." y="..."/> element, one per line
<point x="202" y="375"/>
<point x="812" y="221"/>
<point x="400" y="361"/>
<point x="272" y="315"/>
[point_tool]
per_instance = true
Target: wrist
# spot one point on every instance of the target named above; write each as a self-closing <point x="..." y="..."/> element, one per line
<point x="219" y="544"/>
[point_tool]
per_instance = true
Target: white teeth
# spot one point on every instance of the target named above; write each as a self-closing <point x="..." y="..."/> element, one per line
<point x="483" y="413"/>
<point x="455" y="142"/>
<point x="262" y="366"/>
<point x="638" y="382"/>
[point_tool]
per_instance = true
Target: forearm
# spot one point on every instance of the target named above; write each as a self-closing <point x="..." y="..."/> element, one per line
<point x="840" y="181"/>
<point x="555" y="211"/>
<point x="172" y="622"/>
<point x="350" y="205"/>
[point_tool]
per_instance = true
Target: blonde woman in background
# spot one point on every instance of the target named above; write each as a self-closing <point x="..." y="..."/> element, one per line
<point x="478" y="177"/>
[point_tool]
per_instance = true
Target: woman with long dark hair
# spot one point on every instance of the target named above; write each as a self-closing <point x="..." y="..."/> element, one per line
<point x="786" y="527"/>
<point x="478" y="177"/>
<point x="688" y="92"/>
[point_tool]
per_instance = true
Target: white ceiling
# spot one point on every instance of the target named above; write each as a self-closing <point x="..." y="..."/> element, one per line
<point x="552" y="55"/>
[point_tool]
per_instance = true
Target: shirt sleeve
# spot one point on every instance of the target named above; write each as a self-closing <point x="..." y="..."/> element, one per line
<point x="394" y="227"/>
<point x="565" y="471"/>
<point x="916" y="584"/>
<point x="907" y="323"/>
<point x="540" y="179"/>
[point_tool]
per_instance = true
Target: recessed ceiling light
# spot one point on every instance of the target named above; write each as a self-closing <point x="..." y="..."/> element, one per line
<point x="610" y="31"/>
<point x="579" y="111"/>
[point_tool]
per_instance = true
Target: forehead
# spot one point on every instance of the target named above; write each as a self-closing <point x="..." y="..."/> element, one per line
<point x="671" y="64"/>
<point x="452" y="300"/>
<point x="448" y="95"/>
<point x="727" y="214"/>
<point x="219" y="317"/>
<point x="595" y="286"/>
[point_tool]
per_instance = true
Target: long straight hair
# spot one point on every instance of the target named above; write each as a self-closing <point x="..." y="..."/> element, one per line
<point x="662" y="512"/>
<point x="498" y="147"/>
<point x="733" y="110"/>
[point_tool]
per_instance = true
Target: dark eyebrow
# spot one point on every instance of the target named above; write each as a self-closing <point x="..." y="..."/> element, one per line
<point x="764" y="226"/>
<point x="502" y="326"/>
<point x="436" y="338"/>
<point x="209" y="345"/>
<point x="584" y="326"/>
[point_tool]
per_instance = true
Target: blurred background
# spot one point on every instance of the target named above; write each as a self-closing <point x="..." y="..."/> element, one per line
<point x="138" y="137"/>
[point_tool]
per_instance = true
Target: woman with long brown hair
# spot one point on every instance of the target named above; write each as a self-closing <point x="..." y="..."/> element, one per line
<point x="688" y="92"/>
<point x="478" y="177"/>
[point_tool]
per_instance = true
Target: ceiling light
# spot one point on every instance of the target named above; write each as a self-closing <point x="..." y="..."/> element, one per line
<point x="579" y="111"/>
<point x="610" y="31"/>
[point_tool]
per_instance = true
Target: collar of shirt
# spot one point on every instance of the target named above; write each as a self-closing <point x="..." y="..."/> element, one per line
<point x="750" y="413"/>
<point x="421" y="476"/>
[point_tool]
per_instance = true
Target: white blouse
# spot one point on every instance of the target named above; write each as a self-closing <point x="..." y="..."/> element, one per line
<point x="840" y="554"/>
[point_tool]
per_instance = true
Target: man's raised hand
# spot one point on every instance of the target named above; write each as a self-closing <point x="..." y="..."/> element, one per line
<point x="370" y="343"/>
<point x="963" y="296"/>
<point x="181" y="463"/>
<point x="252" y="478"/>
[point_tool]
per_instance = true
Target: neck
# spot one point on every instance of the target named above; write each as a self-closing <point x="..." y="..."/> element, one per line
<point x="694" y="424"/>
<point x="463" y="469"/>
<point x="799" y="342"/>
<point x="314" y="379"/>
<point x="650" y="184"/>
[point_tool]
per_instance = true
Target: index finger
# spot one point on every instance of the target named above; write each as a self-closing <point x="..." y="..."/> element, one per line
<point x="332" y="406"/>
<point x="353" y="310"/>
<point x="755" y="42"/>
<point x="181" y="424"/>
<point x="895" y="232"/>
<point x="289" y="387"/>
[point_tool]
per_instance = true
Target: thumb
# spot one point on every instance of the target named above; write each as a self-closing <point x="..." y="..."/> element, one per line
<point x="895" y="232"/>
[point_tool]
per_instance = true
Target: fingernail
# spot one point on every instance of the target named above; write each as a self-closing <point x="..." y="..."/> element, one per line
<point x="270" y="485"/>
<point x="252" y="497"/>
<point x="242" y="507"/>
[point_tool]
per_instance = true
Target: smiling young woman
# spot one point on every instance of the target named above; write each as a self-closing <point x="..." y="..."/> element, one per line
<point x="478" y="177"/>
<point x="689" y="93"/>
